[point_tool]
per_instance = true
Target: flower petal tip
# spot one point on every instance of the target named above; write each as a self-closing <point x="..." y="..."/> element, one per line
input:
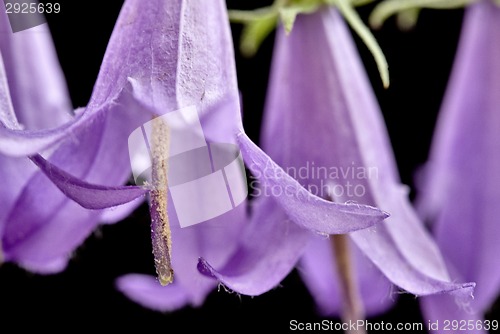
<point x="146" y="291"/>
<point x="470" y="288"/>
<point x="205" y="268"/>
<point x="464" y="293"/>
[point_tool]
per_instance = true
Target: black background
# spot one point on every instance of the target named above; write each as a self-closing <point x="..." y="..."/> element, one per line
<point x="420" y="62"/>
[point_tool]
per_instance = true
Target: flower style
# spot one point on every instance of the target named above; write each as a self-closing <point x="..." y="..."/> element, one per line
<point x="322" y="117"/>
<point x="460" y="189"/>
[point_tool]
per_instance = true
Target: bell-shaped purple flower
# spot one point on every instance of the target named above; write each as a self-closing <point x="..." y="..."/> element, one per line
<point x="460" y="192"/>
<point x="206" y="77"/>
<point x="323" y="126"/>
<point x="39" y="226"/>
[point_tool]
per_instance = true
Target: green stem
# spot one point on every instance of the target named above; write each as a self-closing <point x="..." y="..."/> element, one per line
<point x="390" y="7"/>
<point x="360" y="3"/>
<point x="245" y="16"/>
<point x="366" y="36"/>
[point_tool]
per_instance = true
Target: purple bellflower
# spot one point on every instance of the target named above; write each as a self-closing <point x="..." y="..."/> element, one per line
<point x="39" y="226"/>
<point x="460" y="192"/>
<point x="323" y="126"/>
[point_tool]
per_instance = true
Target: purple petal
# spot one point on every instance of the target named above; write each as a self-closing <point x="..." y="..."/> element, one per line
<point x="119" y="73"/>
<point x="324" y="111"/>
<point x="322" y="279"/>
<point x="269" y="249"/>
<point x="146" y="291"/>
<point x="215" y="240"/>
<point x="37" y="247"/>
<point x="461" y="191"/>
<point x="17" y="169"/>
<point x="37" y="87"/>
<point x="118" y="213"/>
<point x="88" y="195"/>
<point x="41" y="239"/>
<point x="7" y="115"/>
<point x="45" y="266"/>
<point x="153" y="74"/>
<point x="55" y="225"/>
<point x="380" y="248"/>
<point x="303" y="207"/>
<point x="20" y="143"/>
<point x="193" y="65"/>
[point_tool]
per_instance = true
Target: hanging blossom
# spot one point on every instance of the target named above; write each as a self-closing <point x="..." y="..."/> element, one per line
<point x="460" y="191"/>
<point x="323" y="126"/>
<point x="162" y="56"/>
<point x="39" y="226"/>
<point x="204" y="74"/>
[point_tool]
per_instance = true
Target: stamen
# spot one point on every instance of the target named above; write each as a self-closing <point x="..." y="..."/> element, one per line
<point x="160" y="227"/>
<point x="352" y="310"/>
